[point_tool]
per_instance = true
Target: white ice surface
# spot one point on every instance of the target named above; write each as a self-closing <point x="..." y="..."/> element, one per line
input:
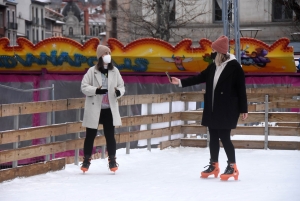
<point x="170" y="174"/>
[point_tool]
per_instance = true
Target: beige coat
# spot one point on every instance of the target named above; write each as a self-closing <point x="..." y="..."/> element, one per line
<point x="90" y="82"/>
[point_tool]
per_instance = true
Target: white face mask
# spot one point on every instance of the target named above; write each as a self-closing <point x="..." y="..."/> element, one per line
<point x="107" y="59"/>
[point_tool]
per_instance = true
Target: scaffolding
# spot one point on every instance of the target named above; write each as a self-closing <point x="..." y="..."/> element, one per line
<point x="231" y="24"/>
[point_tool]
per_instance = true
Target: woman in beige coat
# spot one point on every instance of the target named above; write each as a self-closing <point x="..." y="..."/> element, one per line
<point x="102" y="85"/>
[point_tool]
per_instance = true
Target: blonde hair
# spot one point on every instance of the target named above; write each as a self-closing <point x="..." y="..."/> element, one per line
<point x="220" y="58"/>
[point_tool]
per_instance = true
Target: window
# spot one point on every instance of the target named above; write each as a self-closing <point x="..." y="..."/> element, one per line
<point x="172" y="10"/>
<point x="114" y="33"/>
<point x="42" y="17"/>
<point x="217" y="10"/>
<point x="37" y="35"/>
<point x="8" y="35"/>
<point x="13" y="16"/>
<point x="14" y="39"/>
<point x="37" y="17"/>
<point x="1" y="19"/>
<point x="42" y="34"/>
<point x="33" y="36"/>
<point x="91" y="31"/>
<point x="27" y="34"/>
<point x="8" y="19"/>
<point x="32" y="13"/>
<point x="282" y="12"/>
<point x="82" y="33"/>
<point x="70" y="31"/>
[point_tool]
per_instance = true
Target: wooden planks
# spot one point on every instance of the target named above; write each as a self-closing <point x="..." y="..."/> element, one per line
<point x="170" y="143"/>
<point x="252" y="116"/>
<point x="245" y="130"/>
<point x="186" y="142"/>
<point x="284" y="145"/>
<point x="291" y="124"/>
<point x="243" y="144"/>
<point x="192" y="96"/>
<point x="193" y="129"/>
<point x="75" y="103"/>
<point x="274" y="90"/>
<point x="32" y="169"/>
<point x="191" y="115"/>
<point x="32" y="133"/>
<point x="282" y="95"/>
<point x="51" y="148"/>
<point x="33" y="107"/>
<point x="74" y="127"/>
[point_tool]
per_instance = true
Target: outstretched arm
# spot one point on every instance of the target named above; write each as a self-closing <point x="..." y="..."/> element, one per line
<point x="197" y="79"/>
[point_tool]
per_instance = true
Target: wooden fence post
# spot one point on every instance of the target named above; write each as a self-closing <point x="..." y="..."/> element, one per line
<point x="48" y="139"/>
<point x="128" y="129"/>
<point x="170" y="111"/>
<point x="77" y="136"/>
<point x="149" y="111"/>
<point x="266" y="120"/>
<point x="16" y="144"/>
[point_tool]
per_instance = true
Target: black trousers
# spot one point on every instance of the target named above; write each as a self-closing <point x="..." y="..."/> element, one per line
<point x="214" y="145"/>
<point x="109" y="132"/>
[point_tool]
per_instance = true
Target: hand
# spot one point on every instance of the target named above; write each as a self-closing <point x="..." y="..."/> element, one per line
<point x="101" y="91"/>
<point x="175" y="80"/>
<point x="118" y="93"/>
<point x="244" y="116"/>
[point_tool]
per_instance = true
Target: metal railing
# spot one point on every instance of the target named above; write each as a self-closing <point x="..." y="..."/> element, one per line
<point x="50" y="117"/>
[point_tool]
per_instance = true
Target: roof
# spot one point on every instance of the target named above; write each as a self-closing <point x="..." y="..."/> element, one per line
<point x="53" y="11"/>
<point x="42" y="1"/>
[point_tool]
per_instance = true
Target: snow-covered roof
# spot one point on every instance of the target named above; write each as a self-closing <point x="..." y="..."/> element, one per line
<point x="53" y="11"/>
<point x="42" y="1"/>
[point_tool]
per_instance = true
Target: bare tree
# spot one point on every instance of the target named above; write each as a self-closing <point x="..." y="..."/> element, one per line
<point x="161" y="19"/>
<point x="293" y="5"/>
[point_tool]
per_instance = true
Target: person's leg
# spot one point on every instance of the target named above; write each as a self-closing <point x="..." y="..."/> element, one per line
<point x="89" y="141"/>
<point x="224" y="135"/>
<point x="109" y="131"/>
<point x="88" y="148"/>
<point x="231" y="169"/>
<point x="214" y="145"/>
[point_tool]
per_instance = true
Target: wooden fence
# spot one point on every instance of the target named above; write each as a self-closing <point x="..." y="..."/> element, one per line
<point x="261" y="100"/>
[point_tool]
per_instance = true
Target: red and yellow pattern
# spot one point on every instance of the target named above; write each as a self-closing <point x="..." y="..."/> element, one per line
<point x="60" y="54"/>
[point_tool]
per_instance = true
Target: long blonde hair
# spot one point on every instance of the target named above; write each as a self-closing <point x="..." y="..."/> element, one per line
<point x="220" y="58"/>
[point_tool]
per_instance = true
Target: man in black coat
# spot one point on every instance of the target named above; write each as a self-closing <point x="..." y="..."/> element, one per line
<point x="225" y="99"/>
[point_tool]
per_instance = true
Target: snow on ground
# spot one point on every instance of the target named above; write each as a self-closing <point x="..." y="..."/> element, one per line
<point x="170" y="174"/>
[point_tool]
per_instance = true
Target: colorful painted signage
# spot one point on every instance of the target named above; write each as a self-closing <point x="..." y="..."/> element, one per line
<point x="60" y="54"/>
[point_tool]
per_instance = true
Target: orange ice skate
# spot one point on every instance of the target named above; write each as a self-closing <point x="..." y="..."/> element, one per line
<point x="230" y="171"/>
<point x="213" y="169"/>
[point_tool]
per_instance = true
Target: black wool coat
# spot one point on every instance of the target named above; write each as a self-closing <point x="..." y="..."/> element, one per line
<point x="230" y="98"/>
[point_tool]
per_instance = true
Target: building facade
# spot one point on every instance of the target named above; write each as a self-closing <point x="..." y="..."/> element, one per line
<point x="271" y="20"/>
<point x="10" y="26"/>
<point x="54" y="23"/>
<point x="32" y="24"/>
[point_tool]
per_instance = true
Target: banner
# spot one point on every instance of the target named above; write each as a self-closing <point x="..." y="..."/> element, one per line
<point x="146" y="55"/>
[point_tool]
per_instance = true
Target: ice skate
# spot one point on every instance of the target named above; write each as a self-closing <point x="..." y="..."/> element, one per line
<point x="230" y="171"/>
<point x="112" y="164"/>
<point x="85" y="164"/>
<point x="213" y="169"/>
